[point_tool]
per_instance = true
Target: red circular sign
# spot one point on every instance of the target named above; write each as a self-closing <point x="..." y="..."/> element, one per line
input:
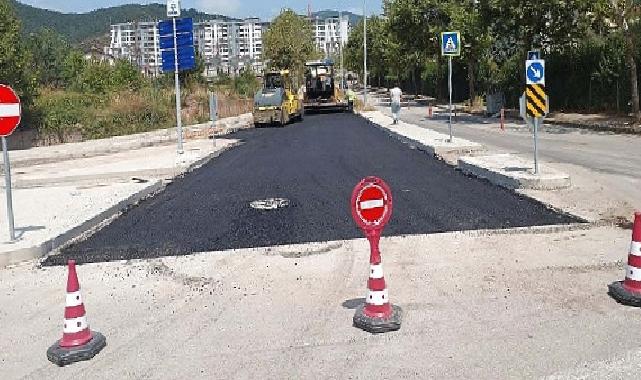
<point x="10" y="110"/>
<point x="372" y="204"/>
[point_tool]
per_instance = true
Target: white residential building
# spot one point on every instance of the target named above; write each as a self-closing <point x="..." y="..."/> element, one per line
<point x="137" y="42"/>
<point x="226" y="46"/>
<point x="231" y="46"/>
<point x="331" y="33"/>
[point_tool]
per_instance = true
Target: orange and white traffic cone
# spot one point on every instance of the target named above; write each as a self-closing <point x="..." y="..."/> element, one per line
<point x="78" y="341"/>
<point x="628" y="291"/>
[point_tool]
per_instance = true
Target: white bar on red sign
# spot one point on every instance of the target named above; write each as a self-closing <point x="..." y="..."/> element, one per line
<point x="374" y="203"/>
<point x="10" y="110"/>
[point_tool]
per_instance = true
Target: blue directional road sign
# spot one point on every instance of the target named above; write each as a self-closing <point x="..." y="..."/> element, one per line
<point x="535" y="71"/>
<point x="184" y="39"/>
<point x="533" y="55"/>
<point x="450" y="43"/>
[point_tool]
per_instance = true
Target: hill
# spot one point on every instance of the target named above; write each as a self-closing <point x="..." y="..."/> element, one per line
<point x="78" y="27"/>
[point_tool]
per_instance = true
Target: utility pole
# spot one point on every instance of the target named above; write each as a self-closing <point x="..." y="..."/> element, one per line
<point x="340" y="43"/>
<point x="365" y="52"/>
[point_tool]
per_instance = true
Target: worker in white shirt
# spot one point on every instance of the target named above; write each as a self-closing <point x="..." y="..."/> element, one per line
<point x="395" y="94"/>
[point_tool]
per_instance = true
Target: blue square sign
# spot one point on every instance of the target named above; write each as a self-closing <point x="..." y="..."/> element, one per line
<point x="451" y="43"/>
<point x="535" y="71"/>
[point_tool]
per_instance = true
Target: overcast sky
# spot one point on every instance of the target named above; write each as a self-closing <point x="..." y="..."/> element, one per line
<point x="265" y="9"/>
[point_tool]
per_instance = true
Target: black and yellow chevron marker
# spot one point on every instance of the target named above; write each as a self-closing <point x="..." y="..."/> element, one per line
<point x="535" y="100"/>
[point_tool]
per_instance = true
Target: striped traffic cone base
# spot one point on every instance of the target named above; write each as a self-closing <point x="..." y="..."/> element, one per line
<point x="377" y="325"/>
<point x="628" y="291"/>
<point x="63" y="356"/>
<point x="618" y="291"/>
<point x="78" y="342"/>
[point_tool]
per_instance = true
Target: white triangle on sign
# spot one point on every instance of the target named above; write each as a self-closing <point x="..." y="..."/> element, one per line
<point x="450" y="45"/>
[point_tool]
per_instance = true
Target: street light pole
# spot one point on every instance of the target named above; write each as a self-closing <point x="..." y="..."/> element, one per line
<point x="340" y="43"/>
<point x="365" y="52"/>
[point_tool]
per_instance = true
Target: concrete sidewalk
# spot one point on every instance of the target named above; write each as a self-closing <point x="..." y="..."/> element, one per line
<point x="117" y="144"/>
<point x="56" y="202"/>
<point x="432" y="142"/>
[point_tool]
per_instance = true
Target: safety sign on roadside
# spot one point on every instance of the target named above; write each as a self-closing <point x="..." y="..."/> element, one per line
<point x="535" y="71"/>
<point x="372" y="204"/>
<point x="451" y="43"/>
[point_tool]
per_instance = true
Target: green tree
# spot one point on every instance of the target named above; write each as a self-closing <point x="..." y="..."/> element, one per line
<point x="246" y="84"/>
<point x="49" y="51"/>
<point x="15" y="70"/>
<point x="289" y="43"/>
<point x="626" y="14"/>
<point x="73" y="66"/>
<point x="126" y="75"/>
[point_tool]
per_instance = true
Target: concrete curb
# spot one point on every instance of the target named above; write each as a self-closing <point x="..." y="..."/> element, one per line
<point x="40" y="250"/>
<point x="123" y="143"/>
<point x="449" y="154"/>
<point x="91" y="226"/>
<point x="486" y="167"/>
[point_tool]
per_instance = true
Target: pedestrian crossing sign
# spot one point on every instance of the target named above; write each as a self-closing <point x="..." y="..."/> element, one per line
<point x="451" y="43"/>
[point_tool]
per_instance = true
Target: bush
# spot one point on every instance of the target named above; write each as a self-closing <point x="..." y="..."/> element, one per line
<point x="246" y="84"/>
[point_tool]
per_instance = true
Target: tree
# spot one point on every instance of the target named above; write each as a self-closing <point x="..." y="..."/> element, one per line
<point x="289" y="43"/>
<point x="384" y="62"/>
<point x="49" y="51"/>
<point x="14" y="60"/>
<point x="126" y="75"/>
<point x="466" y="18"/>
<point x="625" y="13"/>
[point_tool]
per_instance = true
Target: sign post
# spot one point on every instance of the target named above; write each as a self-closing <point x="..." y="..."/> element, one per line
<point x="371" y="209"/>
<point x="10" y="115"/>
<point x="450" y="47"/>
<point x="213" y="114"/>
<point x="535" y="101"/>
<point x="178" y="53"/>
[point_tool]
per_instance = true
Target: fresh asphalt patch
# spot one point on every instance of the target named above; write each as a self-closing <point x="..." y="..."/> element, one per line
<point x="313" y="166"/>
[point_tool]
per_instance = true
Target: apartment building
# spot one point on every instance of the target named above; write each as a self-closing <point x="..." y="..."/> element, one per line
<point x="331" y="33"/>
<point x="227" y="46"/>
<point x="231" y="46"/>
<point x="137" y="42"/>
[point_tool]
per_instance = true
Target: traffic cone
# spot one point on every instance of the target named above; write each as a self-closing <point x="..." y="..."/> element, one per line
<point x="628" y="291"/>
<point x="78" y="341"/>
<point x="377" y="315"/>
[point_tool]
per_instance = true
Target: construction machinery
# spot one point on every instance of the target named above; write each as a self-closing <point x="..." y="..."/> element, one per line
<point x="322" y="93"/>
<point x="276" y="103"/>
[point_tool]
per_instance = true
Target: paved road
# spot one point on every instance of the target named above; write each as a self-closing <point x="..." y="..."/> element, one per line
<point x="600" y="151"/>
<point x="315" y="164"/>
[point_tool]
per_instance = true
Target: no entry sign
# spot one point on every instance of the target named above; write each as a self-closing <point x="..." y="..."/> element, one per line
<point x="10" y="110"/>
<point x="372" y="204"/>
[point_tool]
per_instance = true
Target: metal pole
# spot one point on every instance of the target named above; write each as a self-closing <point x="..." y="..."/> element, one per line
<point x="449" y="83"/>
<point x="179" y="121"/>
<point x="213" y="115"/>
<point x="340" y="42"/>
<point x="536" y="148"/>
<point x="7" y="181"/>
<point x="365" y="52"/>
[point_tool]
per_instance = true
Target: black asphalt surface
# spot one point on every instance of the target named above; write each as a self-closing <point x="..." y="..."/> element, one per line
<point x="315" y="164"/>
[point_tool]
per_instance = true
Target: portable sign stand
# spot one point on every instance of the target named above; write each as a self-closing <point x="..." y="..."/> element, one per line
<point x="535" y="103"/>
<point x="450" y="47"/>
<point x="10" y="116"/>
<point x="178" y="54"/>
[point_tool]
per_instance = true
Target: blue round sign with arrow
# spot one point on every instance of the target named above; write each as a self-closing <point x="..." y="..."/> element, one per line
<point x="535" y="71"/>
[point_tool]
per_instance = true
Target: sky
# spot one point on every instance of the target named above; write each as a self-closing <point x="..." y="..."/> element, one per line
<point x="265" y="9"/>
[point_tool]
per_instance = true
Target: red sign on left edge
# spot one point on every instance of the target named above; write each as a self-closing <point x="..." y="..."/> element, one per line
<point x="10" y="110"/>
